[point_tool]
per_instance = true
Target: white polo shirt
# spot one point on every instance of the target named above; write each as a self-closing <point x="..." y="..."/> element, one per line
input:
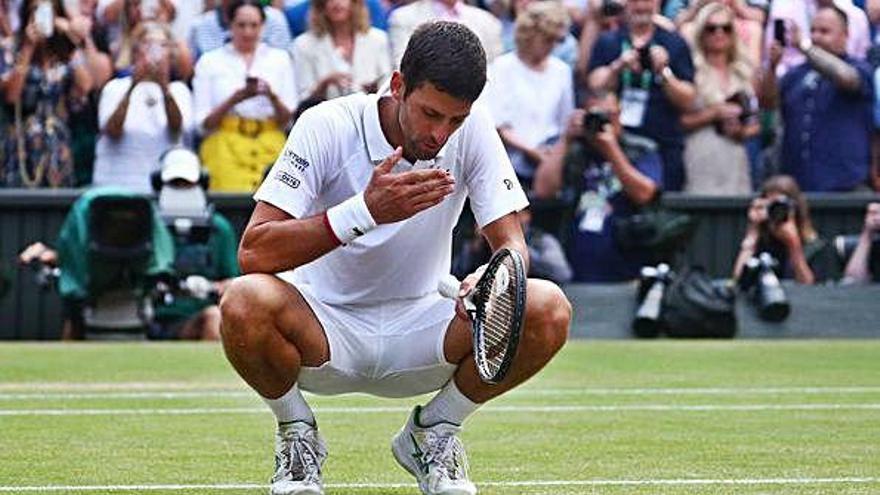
<point x="329" y="157"/>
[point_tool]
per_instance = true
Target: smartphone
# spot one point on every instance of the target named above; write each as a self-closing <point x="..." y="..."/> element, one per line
<point x="779" y="31"/>
<point x="44" y="18"/>
<point x="645" y="58"/>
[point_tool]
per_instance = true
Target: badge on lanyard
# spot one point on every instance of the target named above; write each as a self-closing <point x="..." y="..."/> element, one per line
<point x="633" y="103"/>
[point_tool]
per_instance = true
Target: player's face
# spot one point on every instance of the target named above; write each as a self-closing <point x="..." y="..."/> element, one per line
<point x="427" y="117"/>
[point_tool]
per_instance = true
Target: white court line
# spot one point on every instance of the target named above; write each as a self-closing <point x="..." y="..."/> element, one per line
<point x="532" y="483"/>
<point x="509" y="409"/>
<point x="74" y="394"/>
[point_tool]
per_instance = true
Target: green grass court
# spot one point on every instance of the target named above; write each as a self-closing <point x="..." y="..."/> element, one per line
<point x="621" y="417"/>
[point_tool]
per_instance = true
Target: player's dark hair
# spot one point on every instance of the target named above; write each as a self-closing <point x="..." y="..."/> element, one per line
<point x="233" y="7"/>
<point x="447" y="55"/>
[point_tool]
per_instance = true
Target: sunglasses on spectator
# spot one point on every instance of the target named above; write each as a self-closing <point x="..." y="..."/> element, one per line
<point x="713" y="28"/>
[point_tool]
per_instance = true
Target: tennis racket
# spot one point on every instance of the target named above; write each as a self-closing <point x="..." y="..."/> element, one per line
<point x="496" y="308"/>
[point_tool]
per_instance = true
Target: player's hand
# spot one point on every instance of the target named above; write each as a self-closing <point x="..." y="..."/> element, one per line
<point x="467" y="286"/>
<point x="392" y="197"/>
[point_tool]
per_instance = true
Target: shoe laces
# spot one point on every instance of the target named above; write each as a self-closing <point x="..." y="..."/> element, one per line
<point x="446" y="452"/>
<point x="298" y="457"/>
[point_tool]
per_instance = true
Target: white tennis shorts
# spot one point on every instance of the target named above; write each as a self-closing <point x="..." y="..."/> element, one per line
<point x="392" y="349"/>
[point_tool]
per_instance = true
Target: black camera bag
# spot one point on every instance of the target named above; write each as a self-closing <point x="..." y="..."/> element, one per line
<point x="694" y="307"/>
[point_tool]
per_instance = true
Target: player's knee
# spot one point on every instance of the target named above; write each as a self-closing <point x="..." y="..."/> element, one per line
<point x="550" y="315"/>
<point x="247" y="299"/>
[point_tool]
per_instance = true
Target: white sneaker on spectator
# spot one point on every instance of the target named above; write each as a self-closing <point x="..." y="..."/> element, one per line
<point x="299" y="454"/>
<point x="434" y="455"/>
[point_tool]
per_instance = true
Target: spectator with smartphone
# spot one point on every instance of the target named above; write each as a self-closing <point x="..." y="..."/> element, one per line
<point x="864" y="263"/>
<point x="245" y="95"/>
<point x="141" y="115"/>
<point x="826" y="107"/>
<point x="779" y="223"/>
<point x="725" y="113"/>
<point x="48" y="72"/>
<point x="609" y="173"/>
<point x="213" y="29"/>
<point x="651" y="70"/>
<point x="134" y="14"/>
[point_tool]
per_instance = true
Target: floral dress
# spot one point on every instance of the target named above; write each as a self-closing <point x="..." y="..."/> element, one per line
<point x="36" y="143"/>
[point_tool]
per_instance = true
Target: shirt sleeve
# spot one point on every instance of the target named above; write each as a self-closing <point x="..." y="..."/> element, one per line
<point x="296" y="179"/>
<point x="287" y="92"/>
<point x="111" y="95"/>
<point x="306" y="77"/>
<point x="605" y="51"/>
<point x="493" y="188"/>
<point x="680" y="58"/>
<point x="183" y="99"/>
<point x="202" y="89"/>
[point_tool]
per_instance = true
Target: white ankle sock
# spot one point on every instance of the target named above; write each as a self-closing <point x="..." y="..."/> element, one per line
<point x="291" y="407"/>
<point x="448" y="406"/>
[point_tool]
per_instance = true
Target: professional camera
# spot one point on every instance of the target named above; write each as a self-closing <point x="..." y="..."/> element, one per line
<point x="759" y="278"/>
<point x="645" y="58"/>
<point x="652" y="285"/>
<point x="594" y="122"/>
<point x="612" y="8"/>
<point x="779" y="209"/>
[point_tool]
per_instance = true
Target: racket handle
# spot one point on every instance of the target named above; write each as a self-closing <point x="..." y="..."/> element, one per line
<point x="449" y="286"/>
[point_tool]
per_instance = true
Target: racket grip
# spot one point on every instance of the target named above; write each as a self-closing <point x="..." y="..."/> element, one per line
<point x="448" y="286"/>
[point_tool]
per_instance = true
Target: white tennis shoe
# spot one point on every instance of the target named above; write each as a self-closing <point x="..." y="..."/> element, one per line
<point x="434" y="455"/>
<point x="299" y="454"/>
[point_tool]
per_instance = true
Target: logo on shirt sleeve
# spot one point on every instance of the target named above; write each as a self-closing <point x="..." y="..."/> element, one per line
<point x="508" y="184"/>
<point x="288" y="179"/>
<point x="295" y="161"/>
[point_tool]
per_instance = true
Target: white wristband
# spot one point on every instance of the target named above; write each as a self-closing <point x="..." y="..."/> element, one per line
<point x="350" y="219"/>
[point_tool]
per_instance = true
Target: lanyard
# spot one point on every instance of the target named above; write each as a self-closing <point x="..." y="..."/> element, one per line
<point x="628" y="74"/>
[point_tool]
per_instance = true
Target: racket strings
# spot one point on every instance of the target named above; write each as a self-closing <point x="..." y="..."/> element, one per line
<point x="499" y="310"/>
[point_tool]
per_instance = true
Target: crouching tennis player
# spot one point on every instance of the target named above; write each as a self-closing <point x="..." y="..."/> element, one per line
<point x="351" y="232"/>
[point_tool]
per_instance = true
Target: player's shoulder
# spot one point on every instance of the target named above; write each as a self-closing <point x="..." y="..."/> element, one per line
<point x="334" y="121"/>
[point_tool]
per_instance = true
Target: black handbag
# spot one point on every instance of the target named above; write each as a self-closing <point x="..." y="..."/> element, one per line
<point x="696" y="307"/>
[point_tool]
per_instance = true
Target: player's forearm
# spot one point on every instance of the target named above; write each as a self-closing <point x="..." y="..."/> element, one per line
<point x="280" y="245"/>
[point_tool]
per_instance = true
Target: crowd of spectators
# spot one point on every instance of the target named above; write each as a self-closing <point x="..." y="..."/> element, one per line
<point x="710" y="97"/>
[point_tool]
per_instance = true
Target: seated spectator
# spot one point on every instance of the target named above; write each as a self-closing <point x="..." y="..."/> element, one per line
<point x="612" y="173"/>
<point x="212" y="261"/>
<point x="725" y="113"/>
<point x="340" y="53"/>
<point x="122" y="48"/>
<point x="404" y="20"/>
<point x="47" y="73"/>
<point x="213" y="29"/>
<point x="787" y="234"/>
<point x="141" y="115"/>
<point x="530" y="92"/>
<point x="565" y="49"/>
<point x="864" y="263"/>
<point x="826" y="107"/>
<point x="244" y="96"/>
<point x="298" y="13"/>
<point x="546" y="256"/>
<point x="651" y="70"/>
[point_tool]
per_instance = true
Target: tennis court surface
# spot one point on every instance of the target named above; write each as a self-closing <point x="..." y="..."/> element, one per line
<point x="615" y="417"/>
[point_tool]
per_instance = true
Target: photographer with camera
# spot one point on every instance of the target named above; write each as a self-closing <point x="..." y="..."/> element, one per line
<point x="651" y="70"/>
<point x="779" y="224"/>
<point x="864" y="264"/>
<point x="610" y="174"/>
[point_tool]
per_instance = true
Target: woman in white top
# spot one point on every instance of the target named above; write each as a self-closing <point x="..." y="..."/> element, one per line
<point x="141" y="115"/>
<point x="530" y="91"/>
<point x="340" y="53"/>
<point x="725" y="113"/>
<point x="245" y="93"/>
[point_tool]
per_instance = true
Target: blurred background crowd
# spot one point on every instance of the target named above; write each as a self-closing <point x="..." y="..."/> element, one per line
<point x="602" y="104"/>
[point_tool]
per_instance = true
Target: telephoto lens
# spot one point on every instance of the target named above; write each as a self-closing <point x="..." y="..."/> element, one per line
<point x="779" y="209"/>
<point x="653" y="283"/>
<point x="769" y="295"/>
